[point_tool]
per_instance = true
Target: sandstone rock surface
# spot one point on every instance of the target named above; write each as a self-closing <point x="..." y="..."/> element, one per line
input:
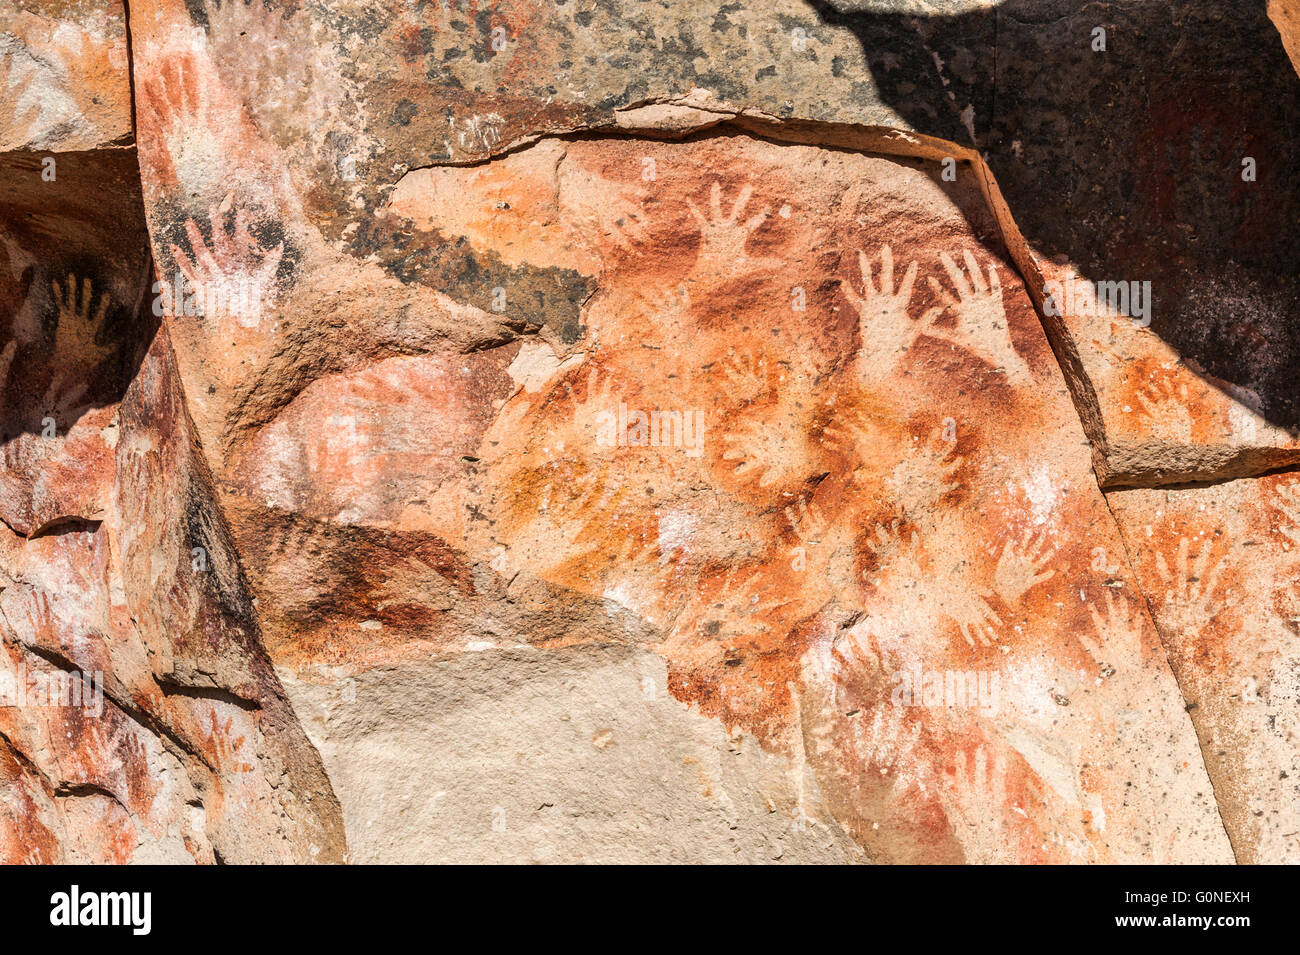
<point x="1220" y="565"/>
<point x="140" y="718"/>
<point x="64" y="78"/>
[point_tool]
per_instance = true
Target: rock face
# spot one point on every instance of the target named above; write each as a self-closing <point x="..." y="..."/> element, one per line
<point x="1221" y="564"/>
<point x="533" y="432"/>
<point x="64" y="75"/>
<point x="119" y="589"/>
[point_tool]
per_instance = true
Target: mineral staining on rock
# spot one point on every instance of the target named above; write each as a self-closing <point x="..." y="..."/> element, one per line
<point x="1220" y="564"/>
<point x="140" y="719"/>
<point x="64" y="78"/>
<point x="763" y="459"/>
<point x="678" y="464"/>
<point x="192" y="753"/>
<point x="869" y="495"/>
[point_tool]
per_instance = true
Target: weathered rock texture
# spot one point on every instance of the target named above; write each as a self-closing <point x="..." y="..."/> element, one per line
<point x="529" y="432"/>
<point x="1220" y="564"/>
<point x="64" y="79"/>
<point x="1285" y="15"/>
